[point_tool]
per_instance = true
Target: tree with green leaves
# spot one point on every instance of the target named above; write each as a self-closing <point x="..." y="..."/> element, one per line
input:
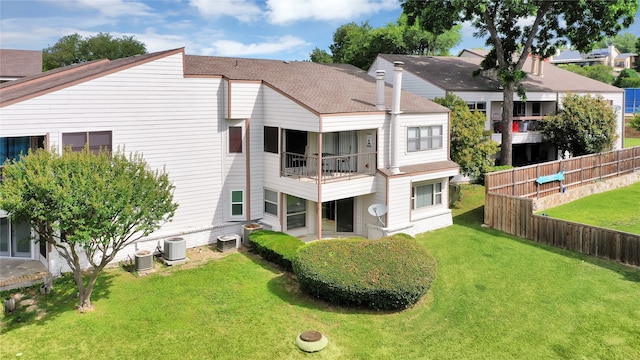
<point x="359" y="45"/>
<point x="628" y="78"/>
<point x="320" y="56"/>
<point x="516" y="29"/>
<point x="74" y="49"/>
<point x="624" y="42"/>
<point x="638" y="61"/>
<point x="87" y="206"/>
<point x="635" y="121"/>
<point x="584" y="125"/>
<point x="471" y="148"/>
<point x="602" y="73"/>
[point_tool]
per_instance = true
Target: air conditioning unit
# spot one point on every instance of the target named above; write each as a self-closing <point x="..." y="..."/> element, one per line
<point x="175" y="249"/>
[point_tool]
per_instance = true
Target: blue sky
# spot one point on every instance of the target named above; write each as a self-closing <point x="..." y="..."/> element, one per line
<point x="269" y="29"/>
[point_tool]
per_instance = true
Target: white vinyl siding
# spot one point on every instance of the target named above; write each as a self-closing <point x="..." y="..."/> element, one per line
<point x="410" y="81"/>
<point x="150" y="108"/>
<point x="246" y="99"/>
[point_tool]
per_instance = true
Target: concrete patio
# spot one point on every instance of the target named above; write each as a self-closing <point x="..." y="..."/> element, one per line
<point x="18" y="273"/>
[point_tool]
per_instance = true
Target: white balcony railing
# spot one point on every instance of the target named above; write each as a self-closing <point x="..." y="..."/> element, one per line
<point x="328" y="166"/>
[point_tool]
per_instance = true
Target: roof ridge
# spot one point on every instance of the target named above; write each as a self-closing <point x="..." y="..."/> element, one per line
<point x="64" y="71"/>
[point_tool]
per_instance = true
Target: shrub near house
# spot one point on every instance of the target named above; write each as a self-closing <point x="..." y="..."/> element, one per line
<point x="386" y="274"/>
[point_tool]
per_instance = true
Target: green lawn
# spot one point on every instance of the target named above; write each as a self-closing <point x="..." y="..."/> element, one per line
<point x="631" y="142"/>
<point x="616" y="209"/>
<point x="494" y="297"/>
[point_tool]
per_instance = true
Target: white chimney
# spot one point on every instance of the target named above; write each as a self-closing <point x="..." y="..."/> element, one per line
<point x="395" y="112"/>
<point x="380" y="90"/>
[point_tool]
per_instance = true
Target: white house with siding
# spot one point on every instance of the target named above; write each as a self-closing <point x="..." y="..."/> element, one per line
<point x="300" y="147"/>
<point x="545" y="86"/>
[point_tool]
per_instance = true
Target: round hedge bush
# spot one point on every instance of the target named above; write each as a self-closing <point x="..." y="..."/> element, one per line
<point x="387" y="274"/>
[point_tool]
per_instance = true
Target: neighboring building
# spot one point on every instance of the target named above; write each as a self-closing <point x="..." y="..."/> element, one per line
<point x="545" y="86"/>
<point x="609" y="56"/>
<point x="300" y="147"/>
<point x="474" y="53"/>
<point x="16" y="64"/>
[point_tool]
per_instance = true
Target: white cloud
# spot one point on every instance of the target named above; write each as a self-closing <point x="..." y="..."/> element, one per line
<point x="288" y="11"/>
<point x="235" y="48"/>
<point x="42" y="34"/>
<point x="243" y="10"/>
<point x="110" y="8"/>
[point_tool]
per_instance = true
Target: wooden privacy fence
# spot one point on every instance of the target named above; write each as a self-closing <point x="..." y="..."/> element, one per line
<point x="514" y="215"/>
<point x="577" y="171"/>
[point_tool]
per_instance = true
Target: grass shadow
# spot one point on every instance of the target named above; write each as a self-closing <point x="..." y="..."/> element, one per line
<point x="287" y="288"/>
<point x="34" y="308"/>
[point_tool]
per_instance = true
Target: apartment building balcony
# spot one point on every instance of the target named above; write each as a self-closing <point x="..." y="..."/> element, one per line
<point x="525" y="129"/>
<point x="328" y="167"/>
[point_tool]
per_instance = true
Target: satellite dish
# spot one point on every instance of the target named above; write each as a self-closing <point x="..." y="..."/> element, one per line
<point x="378" y="210"/>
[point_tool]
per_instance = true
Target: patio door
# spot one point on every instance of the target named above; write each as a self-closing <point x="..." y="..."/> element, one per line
<point x="337" y="216"/>
<point x="15" y="239"/>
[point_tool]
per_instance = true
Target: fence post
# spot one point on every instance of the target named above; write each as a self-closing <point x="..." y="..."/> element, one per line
<point x="600" y="161"/>
<point x="538" y="185"/>
<point x="581" y="170"/>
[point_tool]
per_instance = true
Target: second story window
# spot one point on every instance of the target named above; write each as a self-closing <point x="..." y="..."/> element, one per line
<point x="424" y="138"/>
<point x="519" y="108"/>
<point x="271" y="139"/>
<point x="235" y="139"/>
<point x="480" y="106"/>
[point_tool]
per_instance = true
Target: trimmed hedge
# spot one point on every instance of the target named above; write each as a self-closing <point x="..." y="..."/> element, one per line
<point x="386" y="274"/>
<point x="277" y="247"/>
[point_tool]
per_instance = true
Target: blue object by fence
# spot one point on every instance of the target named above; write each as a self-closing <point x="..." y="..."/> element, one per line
<point x="549" y="178"/>
<point x="631" y="100"/>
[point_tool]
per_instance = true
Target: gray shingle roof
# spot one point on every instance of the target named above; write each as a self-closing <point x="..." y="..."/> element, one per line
<point x="456" y="74"/>
<point x="324" y="88"/>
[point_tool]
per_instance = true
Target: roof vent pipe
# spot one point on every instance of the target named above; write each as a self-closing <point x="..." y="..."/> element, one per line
<point x="395" y="118"/>
<point x="380" y="90"/>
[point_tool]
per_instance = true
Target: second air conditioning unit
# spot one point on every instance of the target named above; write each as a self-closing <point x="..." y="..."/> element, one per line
<point x="175" y="249"/>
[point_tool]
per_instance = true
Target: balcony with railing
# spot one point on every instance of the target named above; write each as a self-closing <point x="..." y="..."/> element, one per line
<point x="328" y="167"/>
<point x="525" y="129"/>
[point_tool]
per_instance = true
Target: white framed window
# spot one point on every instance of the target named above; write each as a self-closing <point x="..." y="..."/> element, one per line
<point x="519" y="108"/>
<point x="424" y="138"/>
<point x="296" y="212"/>
<point x="425" y="194"/>
<point x="480" y="106"/>
<point x="271" y="202"/>
<point x="237" y="202"/>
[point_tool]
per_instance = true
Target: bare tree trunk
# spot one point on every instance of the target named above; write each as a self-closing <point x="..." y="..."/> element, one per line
<point x="506" y="148"/>
<point x="85" y="298"/>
